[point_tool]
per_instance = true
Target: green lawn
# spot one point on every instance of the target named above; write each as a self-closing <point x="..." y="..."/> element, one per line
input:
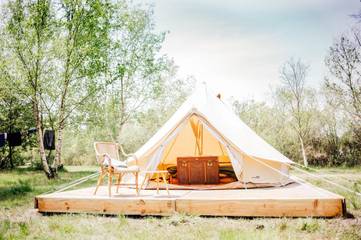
<point x="18" y="219"/>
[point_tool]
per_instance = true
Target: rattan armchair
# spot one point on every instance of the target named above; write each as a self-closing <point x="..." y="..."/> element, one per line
<point x="107" y="155"/>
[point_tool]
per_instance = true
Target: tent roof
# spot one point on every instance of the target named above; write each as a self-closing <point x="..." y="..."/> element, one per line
<point x="219" y="115"/>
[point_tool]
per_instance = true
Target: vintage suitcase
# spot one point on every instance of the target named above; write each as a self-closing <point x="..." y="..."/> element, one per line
<point x="198" y="170"/>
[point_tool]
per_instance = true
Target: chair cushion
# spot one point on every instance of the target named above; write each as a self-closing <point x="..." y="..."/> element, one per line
<point x="115" y="163"/>
<point x="127" y="169"/>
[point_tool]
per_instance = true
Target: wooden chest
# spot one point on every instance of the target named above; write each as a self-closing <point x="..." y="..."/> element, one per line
<point x="198" y="170"/>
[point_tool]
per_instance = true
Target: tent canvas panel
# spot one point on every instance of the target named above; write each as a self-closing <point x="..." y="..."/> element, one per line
<point x="255" y="172"/>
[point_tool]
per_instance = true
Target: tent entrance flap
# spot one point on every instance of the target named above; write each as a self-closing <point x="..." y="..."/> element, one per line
<point x="157" y="155"/>
<point x="235" y="157"/>
<point x="197" y="129"/>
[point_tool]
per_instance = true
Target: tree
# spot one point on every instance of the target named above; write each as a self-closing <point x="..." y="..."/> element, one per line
<point x="15" y="115"/>
<point x="135" y="68"/>
<point x="344" y="83"/>
<point x="135" y="75"/>
<point x="293" y="75"/>
<point x="58" y="58"/>
<point x="344" y="64"/>
<point x="268" y="121"/>
<point x="29" y="29"/>
<point x="84" y="38"/>
<point x="98" y="117"/>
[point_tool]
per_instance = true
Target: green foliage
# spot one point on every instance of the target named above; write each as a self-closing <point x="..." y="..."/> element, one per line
<point x="329" y="142"/>
<point x="15" y="111"/>
<point x="343" y="84"/>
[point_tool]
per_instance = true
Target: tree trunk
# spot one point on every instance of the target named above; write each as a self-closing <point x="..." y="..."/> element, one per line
<point x="10" y="116"/>
<point x="59" y="143"/>
<point x="11" y="151"/>
<point x="59" y="146"/>
<point x="39" y="134"/>
<point x="305" y="161"/>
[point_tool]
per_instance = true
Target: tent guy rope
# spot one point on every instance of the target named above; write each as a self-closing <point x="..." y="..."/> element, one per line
<point x="326" y="180"/>
<point x="318" y="171"/>
<point x="72" y="183"/>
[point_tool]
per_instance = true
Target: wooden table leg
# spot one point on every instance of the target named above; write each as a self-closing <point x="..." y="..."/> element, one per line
<point x="110" y="176"/>
<point x="119" y="178"/>
<point x="136" y="183"/>
<point x="157" y="179"/>
<point x="165" y="182"/>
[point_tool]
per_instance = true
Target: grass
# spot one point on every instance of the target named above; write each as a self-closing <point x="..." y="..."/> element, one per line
<point x="18" y="188"/>
<point x="18" y="219"/>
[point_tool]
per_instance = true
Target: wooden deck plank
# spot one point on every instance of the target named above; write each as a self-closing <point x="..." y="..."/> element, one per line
<point x="261" y="208"/>
<point x="108" y="206"/>
<point x="294" y="200"/>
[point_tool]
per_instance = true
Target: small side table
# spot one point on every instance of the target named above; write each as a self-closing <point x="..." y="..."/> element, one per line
<point x="158" y="174"/>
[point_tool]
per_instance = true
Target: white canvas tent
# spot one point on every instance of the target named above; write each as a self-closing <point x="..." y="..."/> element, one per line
<point x="205" y="125"/>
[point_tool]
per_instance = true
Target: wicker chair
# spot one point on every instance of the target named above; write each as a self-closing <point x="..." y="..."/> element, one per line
<point x="107" y="155"/>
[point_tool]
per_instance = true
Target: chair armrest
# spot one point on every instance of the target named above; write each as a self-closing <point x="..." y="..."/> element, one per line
<point x="105" y="155"/>
<point x="102" y="158"/>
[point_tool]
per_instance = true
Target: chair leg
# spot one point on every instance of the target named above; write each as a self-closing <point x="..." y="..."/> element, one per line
<point x="119" y="178"/>
<point x="136" y="183"/>
<point x="110" y="178"/>
<point x="145" y="178"/>
<point x="100" y="181"/>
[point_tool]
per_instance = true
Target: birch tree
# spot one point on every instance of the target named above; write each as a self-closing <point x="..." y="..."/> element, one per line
<point x="84" y="39"/>
<point x="59" y="57"/>
<point x="30" y="31"/>
<point x="293" y="75"/>
<point x="136" y="68"/>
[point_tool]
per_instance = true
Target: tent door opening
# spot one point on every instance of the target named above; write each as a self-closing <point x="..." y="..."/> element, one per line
<point x="197" y="155"/>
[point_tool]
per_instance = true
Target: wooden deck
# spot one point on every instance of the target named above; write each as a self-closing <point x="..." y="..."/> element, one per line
<point x="294" y="200"/>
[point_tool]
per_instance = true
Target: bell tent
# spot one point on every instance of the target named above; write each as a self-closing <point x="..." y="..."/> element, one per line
<point x="205" y="126"/>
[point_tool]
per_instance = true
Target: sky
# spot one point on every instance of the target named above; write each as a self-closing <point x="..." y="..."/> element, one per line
<point x="238" y="46"/>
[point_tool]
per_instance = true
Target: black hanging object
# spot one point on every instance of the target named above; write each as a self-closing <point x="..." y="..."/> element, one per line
<point x="49" y="139"/>
<point x="14" y="139"/>
<point x="2" y="139"/>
